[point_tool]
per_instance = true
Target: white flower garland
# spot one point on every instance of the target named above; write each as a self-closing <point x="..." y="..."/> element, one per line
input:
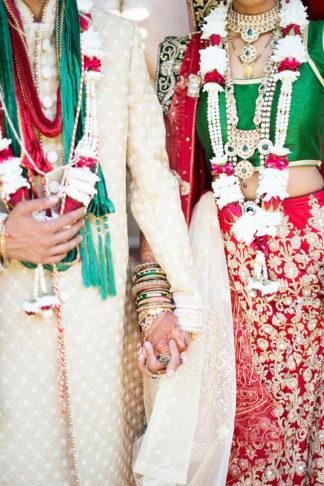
<point x="11" y="176"/>
<point x="81" y="185"/>
<point x="293" y="12"/>
<point x="288" y="54"/>
<point x="80" y="174"/>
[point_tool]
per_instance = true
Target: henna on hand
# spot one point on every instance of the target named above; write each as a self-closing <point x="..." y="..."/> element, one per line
<point x="165" y="328"/>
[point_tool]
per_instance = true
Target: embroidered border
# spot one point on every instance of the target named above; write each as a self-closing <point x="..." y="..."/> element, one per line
<point x="171" y="54"/>
<point x="201" y="8"/>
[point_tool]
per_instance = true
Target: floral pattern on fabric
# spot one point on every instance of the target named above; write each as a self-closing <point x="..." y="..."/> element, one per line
<point x="287" y="344"/>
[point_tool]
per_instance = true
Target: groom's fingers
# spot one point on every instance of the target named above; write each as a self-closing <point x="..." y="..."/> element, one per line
<point x="141" y="361"/>
<point x="175" y="360"/>
<point x="153" y="362"/>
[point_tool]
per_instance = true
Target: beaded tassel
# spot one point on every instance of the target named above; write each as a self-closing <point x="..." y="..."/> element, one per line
<point x="43" y="303"/>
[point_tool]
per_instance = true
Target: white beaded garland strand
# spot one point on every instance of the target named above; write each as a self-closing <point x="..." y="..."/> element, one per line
<point x="272" y="181"/>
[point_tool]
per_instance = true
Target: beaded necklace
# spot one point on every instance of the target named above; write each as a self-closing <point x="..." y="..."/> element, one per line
<point x="253" y="221"/>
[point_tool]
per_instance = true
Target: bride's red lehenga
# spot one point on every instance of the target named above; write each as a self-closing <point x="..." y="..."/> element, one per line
<point x="279" y="341"/>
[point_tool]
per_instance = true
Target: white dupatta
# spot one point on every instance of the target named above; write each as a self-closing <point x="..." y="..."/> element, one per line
<point x="191" y="417"/>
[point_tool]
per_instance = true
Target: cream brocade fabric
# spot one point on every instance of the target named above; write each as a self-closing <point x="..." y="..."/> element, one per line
<point x="105" y="387"/>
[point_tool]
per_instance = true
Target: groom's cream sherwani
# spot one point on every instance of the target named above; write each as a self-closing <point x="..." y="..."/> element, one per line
<point x="105" y="389"/>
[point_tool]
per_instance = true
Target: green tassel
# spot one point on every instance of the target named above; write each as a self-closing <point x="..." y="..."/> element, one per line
<point x="85" y="261"/>
<point x="110" y="268"/>
<point x="7" y="80"/>
<point x="101" y="204"/>
<point x="93" y="261"/>
<point x="70" y="72"/>
<point x="103" y="270"/>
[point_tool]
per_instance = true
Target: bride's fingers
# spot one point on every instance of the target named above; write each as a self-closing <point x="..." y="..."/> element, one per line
<point x="179" y="338"/>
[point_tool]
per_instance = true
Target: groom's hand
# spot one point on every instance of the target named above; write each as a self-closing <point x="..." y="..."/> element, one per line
<point x="35" y="241"/>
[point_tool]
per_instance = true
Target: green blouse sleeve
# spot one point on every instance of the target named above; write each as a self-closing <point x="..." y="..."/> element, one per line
<point x="315" y="47"/>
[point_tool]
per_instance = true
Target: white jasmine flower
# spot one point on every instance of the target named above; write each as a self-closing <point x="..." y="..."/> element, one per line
<point x="287" y="75"/>
<point x="30" y="308"/>
<point x="266" y="287"/>
<point x="293" y="12"/>
<point x="227" y="190"/>
<point x="45" y="304"/>
<point x="81" y="184"/>
<point x="10" y="165"/>
<point x="280" y="151"/>
<point x="213" y="87"/>
<point x="11" y="177"/>
<point x="258" y="223"/>
<point x="213" y="58"/>
<point x="273" y="183"/>
<point x="84" y="149"/>
<point x="215" y="23"/>
<point x="4" y="143"/>
<point x="92" y="75"/>
<point x="219" y="159"/>
<point x="85" y="6"/>
<point x="91" y="43"/>
<point x="290" y="46"/>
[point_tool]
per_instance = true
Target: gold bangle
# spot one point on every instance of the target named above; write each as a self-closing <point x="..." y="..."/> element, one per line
<point x="143" y="266"/>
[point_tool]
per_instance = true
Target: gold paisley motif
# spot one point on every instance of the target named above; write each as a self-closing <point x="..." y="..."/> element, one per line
<point x="287" y="342"/>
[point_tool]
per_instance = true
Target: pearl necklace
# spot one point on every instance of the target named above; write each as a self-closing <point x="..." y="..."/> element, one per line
<point x="260" y="218"/>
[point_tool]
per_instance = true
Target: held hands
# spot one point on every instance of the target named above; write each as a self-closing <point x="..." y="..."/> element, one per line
<point x="38" y="241"/>
<point x="165" y="338"/>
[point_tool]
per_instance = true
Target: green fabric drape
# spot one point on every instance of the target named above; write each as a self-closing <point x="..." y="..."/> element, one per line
<point x="7" y="80"/>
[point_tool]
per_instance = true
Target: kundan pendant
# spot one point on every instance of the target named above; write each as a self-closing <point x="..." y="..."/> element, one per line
<point x="248" y="71"/>
<point x="244" y="170"/>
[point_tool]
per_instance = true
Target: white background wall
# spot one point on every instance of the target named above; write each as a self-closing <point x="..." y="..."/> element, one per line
<point x="166" y="17"/>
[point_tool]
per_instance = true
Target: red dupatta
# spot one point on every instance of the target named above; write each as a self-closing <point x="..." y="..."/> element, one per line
<point x="186" y="155"/>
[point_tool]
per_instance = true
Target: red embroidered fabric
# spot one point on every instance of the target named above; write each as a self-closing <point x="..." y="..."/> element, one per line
<point x="258" y="437"/>
<point x="186" y="154"/>
<point x="280" y="349"/>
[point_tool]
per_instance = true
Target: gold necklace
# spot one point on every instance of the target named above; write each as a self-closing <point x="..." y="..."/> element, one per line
<point x="247" y="61"/>
<point x="251" y="26"/>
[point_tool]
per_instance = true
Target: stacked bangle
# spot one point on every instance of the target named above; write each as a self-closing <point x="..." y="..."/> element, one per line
<point x="3" y="243"/>
<point x="151" y="290"/>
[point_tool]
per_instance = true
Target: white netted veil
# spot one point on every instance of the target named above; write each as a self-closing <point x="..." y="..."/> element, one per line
<point x="191" y="417"/>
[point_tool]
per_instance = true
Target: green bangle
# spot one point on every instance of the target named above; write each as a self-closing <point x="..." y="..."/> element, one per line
<point x="140" y="267"/>
<point x="147" y="295"/>
<point x="147" y="274"/>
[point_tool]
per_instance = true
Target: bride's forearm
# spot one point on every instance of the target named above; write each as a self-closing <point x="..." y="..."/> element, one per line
<point x="145" y="251"/>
